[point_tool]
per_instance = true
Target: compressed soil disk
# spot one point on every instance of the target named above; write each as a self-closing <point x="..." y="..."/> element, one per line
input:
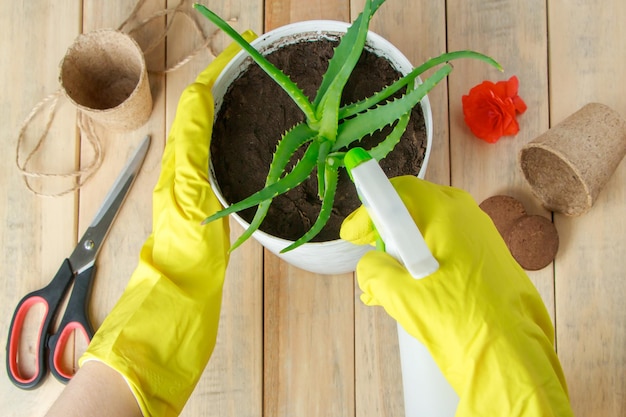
<point x="504" y="211"/>
<point x="533" y="242"/>
<point x="256" y="112"/>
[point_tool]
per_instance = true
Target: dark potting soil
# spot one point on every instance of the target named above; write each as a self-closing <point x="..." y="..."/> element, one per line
<point x="256" y="112"/>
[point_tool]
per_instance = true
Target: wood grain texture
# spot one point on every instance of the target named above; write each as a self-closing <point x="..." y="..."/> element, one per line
<point x="231" y="385"/>
<point x="419" y="35"/>
<point x="418" y="30"/>
<point x="118" y="257"/>
<point x="587" y="58"/>
<point x="514" y="33"/>
<point x="309" y="330"/>
<point x="290" y="342"/>
<point x="37" y="233"/>
<point x="282" y="12"/>
<point x="309" y="342"/>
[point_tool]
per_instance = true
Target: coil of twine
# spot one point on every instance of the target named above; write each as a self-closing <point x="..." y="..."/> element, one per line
<point x="104" y="60"/>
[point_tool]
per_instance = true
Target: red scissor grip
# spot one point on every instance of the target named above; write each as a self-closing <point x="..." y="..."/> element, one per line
<point x="59" y="346"/>
<point x="50" y="297"/>
<point x="15" y="333"/>
<point x="75" y="318"/>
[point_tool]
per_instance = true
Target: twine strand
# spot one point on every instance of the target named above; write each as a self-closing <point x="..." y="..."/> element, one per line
<point x="22" y="166"/>
<point x="87" y="129"/>
<point x="86" y="126"/>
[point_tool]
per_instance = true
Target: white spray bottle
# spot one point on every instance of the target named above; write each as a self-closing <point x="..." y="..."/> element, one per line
<point x="426" y="391"/>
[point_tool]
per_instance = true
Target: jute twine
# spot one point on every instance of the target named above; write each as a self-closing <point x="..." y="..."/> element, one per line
<point x="86" y="125"/>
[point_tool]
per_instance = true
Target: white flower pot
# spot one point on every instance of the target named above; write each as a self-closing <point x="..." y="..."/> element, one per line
<point x="337" y="256"/>
<point x="426" y="392"/>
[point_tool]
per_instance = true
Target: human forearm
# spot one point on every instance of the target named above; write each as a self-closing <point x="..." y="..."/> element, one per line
<point x="90" y="393"/>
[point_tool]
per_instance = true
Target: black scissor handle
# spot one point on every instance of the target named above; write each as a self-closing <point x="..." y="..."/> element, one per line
<point x="75" y="318"/>
<point x="50" y="297"/>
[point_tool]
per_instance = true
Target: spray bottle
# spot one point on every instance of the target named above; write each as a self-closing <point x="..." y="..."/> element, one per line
<point x="426" y="391"/>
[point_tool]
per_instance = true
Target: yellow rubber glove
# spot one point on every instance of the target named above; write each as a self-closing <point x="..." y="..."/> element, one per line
<point x="479" y="315"/>
<point x="162" y="331"/>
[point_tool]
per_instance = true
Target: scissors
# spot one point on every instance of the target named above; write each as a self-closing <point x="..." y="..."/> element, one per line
<point x="77" y="269"/>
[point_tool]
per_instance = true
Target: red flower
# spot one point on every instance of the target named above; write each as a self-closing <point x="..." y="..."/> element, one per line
<point x="490" y="109"/>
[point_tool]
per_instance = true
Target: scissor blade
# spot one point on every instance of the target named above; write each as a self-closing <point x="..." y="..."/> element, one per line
<point x="87" y="249"/>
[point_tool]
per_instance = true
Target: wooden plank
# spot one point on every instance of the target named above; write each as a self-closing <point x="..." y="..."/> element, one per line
<point x="281" y="12"/>
<point x="587" y="56"/>
<point x="309" y="330"/>
<point x="309" y="342"/>
<point x="37" y="233"/>
<point x="232" y="382"/>
<point x="120" y="253"/>
<point x="231" y="385"/>
<point x="585" y="52"/>
<point x="420" y="35"/>
<point x="514" y="33"/>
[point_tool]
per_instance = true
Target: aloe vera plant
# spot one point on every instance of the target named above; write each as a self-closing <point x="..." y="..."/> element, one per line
<point x="329" y="128"/>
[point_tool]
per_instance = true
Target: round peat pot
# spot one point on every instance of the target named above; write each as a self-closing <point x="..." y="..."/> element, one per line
<point x="104" y="75"/>
<point x="330" y="257"/>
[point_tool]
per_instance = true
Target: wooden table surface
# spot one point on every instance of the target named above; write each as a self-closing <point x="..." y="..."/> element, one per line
<point x="292" y="343"/>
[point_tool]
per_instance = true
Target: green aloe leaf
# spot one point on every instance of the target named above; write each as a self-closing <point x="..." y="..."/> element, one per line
<point x="329" y="128"/>
<point x="325" y="147"/>
<point x="376" y="4"/>
<point x="372" y="120"/>
<point x="291" y="141"/>
<point x="332" y="177"/>
<point x="385" y="93"/>
<point x="348" y="41"/>
<point x="340" y="66"/>
<point x="298" y="174"/>
<point x="381" y="150"/>
<point x="296" y="94"/>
